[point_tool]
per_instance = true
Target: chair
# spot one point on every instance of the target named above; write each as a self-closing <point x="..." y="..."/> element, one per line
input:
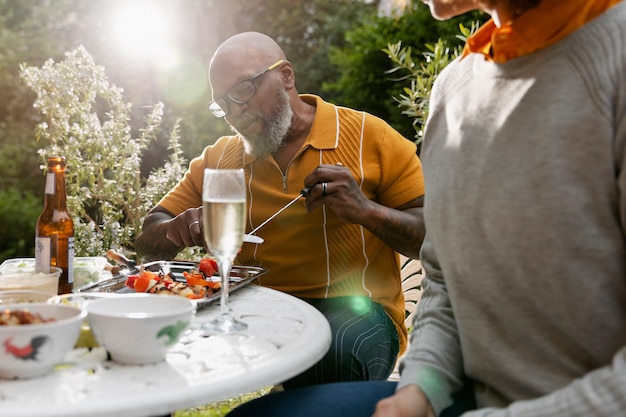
<point x="411" y="274"/>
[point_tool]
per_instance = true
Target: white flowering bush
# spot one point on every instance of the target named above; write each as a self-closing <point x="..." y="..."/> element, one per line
<point x="85" y="119"/>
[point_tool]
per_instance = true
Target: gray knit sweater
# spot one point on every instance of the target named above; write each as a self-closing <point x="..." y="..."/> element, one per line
<point x="525" y="254"/>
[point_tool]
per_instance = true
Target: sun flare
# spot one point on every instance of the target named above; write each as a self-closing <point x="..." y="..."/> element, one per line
<point x="141" y="29"/>
<point x="144" y="32"/>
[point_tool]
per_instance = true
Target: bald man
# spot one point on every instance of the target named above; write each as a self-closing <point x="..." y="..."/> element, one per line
<point x="338" y="249"/>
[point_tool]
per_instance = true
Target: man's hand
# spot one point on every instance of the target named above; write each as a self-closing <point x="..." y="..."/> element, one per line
<point x="409" y="401"/>
<point x="163" y="235"/>
<point x="402" y="228"/>
<point x="341" y="193"/>
<point x="186" y="228"/>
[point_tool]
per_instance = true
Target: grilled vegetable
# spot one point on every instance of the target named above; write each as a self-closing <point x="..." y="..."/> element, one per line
<point x="197" y="285"/>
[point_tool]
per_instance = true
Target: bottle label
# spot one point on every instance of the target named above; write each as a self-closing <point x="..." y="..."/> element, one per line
<point x="50" y="183"/>
<point x="43" y="254"/>
<point x="70" y="260"/>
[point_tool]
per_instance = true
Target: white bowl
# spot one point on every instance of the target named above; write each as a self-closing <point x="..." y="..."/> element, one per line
<point x="31" y="350"/>
<point x="138" y="329"/>
<point x="80" y="300"/>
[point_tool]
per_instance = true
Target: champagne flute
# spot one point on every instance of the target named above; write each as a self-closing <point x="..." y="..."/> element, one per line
<point x="223" y="221"/>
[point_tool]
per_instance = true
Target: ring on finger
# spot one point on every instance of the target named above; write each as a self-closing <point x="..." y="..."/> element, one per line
<point x="192" y="224"/>
<point x="324" y="188"/>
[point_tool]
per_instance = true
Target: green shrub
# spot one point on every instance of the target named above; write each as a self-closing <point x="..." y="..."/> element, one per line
<point x="18" y="216"/>
<point x="417" y="74"/>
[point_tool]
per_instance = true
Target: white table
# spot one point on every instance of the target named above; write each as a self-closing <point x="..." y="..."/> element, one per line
<point x="285" y="337"/>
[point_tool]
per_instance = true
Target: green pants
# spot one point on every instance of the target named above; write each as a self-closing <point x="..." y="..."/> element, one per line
<point x="364" y="344"/>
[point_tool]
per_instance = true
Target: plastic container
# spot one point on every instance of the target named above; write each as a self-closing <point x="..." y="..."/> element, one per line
<point x="87" y="270"/>
<point x="26" y="278"/>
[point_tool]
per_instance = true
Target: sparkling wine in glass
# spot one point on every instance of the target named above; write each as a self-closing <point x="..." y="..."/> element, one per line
<point x="224" y="219"/>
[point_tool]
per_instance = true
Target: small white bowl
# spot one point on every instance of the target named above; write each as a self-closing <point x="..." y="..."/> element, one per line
<point x="80" y="300"/>
<point x="31" y="350"/>
<point x="139" y="329"/>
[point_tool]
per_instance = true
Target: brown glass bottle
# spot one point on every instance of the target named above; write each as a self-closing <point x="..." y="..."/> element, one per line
<point x="54" y="235"/>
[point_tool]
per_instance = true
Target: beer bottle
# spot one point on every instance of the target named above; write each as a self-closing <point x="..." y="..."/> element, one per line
<point x="54" y="235"/>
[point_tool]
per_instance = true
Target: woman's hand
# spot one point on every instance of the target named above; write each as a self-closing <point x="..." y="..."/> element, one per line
<point x="409" y="401"/>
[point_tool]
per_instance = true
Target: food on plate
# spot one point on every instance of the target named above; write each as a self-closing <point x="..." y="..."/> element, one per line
<point x="198" y="281"/>
<point x="208" y="266"/>
<point x="22" y="316"/>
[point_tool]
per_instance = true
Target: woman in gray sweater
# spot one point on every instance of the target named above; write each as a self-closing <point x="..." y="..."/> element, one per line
<point x="525" y="167"/>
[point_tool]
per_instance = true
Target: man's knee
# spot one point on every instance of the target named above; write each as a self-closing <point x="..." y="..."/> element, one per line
<point x="364" y="344"/>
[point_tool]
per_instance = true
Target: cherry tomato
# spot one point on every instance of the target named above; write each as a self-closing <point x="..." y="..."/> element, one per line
<point x="130" y="281"/>
<point x="208" y="267"/>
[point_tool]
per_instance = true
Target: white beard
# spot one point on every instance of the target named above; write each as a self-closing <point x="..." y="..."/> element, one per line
<point x="272" y="138"/>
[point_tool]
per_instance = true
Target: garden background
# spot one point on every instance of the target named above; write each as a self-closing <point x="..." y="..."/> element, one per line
<point x="120" y="88"/>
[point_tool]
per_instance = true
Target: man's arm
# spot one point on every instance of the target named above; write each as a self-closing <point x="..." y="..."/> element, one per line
<point x="401" y="228"/>
<point x="163" y="235"/>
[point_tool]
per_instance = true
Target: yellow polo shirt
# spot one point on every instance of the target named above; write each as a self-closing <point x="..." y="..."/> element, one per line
<point x="316" y="255"/>
<point x="536" y="28"/>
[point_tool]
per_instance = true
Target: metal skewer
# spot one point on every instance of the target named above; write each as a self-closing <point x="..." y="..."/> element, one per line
<point x="304" y="192"/>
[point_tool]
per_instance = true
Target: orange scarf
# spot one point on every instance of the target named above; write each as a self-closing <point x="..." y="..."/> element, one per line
<point x="536" y="28"/>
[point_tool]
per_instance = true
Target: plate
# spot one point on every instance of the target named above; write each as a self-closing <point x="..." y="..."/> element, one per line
<point x="240" y="276"/>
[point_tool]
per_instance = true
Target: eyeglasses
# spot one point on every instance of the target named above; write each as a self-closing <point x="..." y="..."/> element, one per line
<point x="240" y="93"/>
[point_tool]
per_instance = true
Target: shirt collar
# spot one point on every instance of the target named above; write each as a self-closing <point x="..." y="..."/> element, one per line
<point x="537" y="28"/>
<point x="325" y="129"/>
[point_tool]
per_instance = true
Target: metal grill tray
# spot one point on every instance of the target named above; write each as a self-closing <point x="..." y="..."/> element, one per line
<point x="240" y="276"/>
